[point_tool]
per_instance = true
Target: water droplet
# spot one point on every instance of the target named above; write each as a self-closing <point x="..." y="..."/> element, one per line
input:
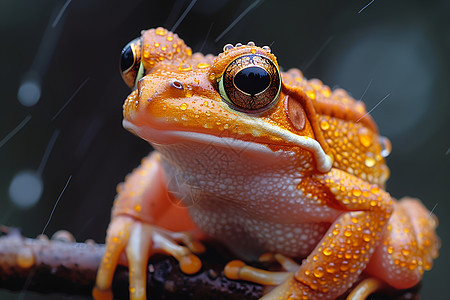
<point x="331" y="268"/>
<point x="26" y="188"/>
<point x="369" y="161"/>
<point x="367" y="236"/>
<point x="386" y="146"/>
<point x="227" y="47"/>
<point x="324" y="125"/>
<point x="183" y="106"/>
<point x="251" y="44"/>
<point x="203" y="65"/>
<point x="29" y="92"/>
<point x="267" y="49"/>
<point x="25" y="258"/>
<point x="327" y="251"/>
<point x="238" y="45"/>
<point x="160" y="31"/>
<point x="318" y="272"/>
<point x="364" y="137"/>
<point x="356" y="192"/>
<point x="185" y="67"/>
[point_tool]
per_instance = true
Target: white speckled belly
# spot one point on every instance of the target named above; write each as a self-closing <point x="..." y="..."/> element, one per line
<point x="249" y="238"/>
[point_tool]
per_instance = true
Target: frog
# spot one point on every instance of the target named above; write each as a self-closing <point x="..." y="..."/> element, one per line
<point x="271" y="165"/>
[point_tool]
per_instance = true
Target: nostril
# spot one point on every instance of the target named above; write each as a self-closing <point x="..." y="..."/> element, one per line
<point x="177" y="84"/>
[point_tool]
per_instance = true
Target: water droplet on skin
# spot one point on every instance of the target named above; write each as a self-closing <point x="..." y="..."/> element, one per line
<point x="185" y="67"/>
<point x="331" y="268"/>
<point x="251" y="44"/>
<point x="267" y="49"/>
<point x="160" y="31"/>
<point x="203" y="65"/>
<point x="318" y="272"/>
<point x="369" y="162"/>
<point x="364" y="137"/>
<point x="324" y="125"/>
<point x="238" y="45"/>
<point x="356" y="192"/>
<point x="327" y="251"/>
<point x="386" y="146"/>
<point x="227" y="47"/>
<point x="183" y="106"/>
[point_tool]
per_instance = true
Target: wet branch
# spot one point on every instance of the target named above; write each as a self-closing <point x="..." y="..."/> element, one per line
<point x="62" y="266"/>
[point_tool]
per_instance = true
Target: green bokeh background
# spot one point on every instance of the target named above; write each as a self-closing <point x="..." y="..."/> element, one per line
<point x="399" y="48"/>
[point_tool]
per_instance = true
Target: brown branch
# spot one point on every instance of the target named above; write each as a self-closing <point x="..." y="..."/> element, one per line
<point x="62" y="266"/>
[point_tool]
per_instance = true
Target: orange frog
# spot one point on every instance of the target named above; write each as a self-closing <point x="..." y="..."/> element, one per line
<point x="263" y="161"/>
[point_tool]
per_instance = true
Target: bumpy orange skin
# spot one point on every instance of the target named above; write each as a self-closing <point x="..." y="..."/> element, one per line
<point x="335" y="162"/>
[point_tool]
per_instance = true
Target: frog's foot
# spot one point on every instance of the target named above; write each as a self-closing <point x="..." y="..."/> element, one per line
<point x="238" y="270"/>
<point x="139" y="241"/>
<point x="365" y="288"/>
<point x="287" y="285"/>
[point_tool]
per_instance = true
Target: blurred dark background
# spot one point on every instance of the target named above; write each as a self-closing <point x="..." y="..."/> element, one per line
<point x="70" y="60"/>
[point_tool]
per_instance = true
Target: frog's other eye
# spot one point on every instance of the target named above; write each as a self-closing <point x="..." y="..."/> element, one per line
<point x="250" y="83"/>
<point x="130" y="63"/>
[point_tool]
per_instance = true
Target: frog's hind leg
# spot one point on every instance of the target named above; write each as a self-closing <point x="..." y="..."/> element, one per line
<point x="408" y="247"/>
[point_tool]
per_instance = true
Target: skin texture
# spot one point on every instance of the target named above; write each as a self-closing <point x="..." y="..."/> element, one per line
<point x="296" y="169"/>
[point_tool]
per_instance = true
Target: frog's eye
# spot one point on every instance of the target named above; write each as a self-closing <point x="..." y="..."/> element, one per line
<point x="250" y="83"/>
<point x="130" y="63"/>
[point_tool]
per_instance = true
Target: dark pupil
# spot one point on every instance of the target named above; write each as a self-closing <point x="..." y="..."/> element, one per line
<point x="126" y="59"/>
<point x="252" y="80"/>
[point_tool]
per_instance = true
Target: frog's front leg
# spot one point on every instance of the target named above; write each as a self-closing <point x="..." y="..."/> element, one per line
<point x="346" y="248"/>
<point x="142" y="218"/>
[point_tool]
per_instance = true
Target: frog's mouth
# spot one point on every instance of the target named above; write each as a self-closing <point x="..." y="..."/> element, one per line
<point x="166" y="137"/>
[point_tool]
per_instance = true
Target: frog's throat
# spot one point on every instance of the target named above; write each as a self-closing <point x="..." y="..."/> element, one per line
<point x="152" y="135"/>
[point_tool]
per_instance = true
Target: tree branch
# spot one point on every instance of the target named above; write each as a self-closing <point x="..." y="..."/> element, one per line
<point x="62" y="266"/>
